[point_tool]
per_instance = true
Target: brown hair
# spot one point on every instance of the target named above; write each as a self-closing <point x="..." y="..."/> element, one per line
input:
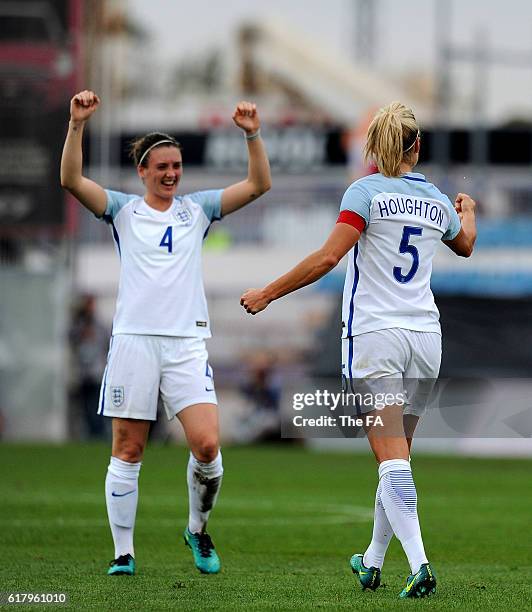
<point x="391" y="138"/>
<point x="139" y="146"/>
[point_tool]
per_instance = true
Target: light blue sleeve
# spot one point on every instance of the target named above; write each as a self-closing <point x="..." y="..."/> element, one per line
<point x="116" y="200"/>
<point x="358" y="200"/>
<point x="454" y="223"/>
<point x="210" y="201"/>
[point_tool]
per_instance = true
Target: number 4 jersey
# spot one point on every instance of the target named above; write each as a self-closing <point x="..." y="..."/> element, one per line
<point x="160" y="291"/>
<point x="387" y="283"/>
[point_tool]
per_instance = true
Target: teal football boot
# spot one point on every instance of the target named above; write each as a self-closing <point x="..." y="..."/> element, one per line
<point x="205" y="557"/>
<point x="370" y="577"/>
<point x="420" y="584"/>
<point x="123" y="566"/>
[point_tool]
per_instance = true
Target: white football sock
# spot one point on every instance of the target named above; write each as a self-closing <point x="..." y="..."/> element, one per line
<point x="399" y="498"/>
<point x="204" y="481"/>
<point x="121" y="496"/>
<point x="382" y="534"/>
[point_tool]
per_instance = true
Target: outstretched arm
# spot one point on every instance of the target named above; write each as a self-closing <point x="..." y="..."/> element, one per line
<point x="317" y="264"/>
<point x="89" y="193"/>
<point x="259" y="179"/>
<point x="464" y="242"/>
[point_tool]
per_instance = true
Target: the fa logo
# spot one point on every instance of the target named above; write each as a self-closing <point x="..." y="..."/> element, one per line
<point x="117" y="396"/>
<point x="183" y="216"/>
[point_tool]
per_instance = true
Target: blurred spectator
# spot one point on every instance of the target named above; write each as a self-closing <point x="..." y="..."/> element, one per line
<point x="89" y="341"/>
<point x="263" y="391"/>
<point x="10" y="251"/>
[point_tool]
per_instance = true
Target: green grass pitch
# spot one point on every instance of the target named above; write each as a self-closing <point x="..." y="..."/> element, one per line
<point x="285" y="526"/>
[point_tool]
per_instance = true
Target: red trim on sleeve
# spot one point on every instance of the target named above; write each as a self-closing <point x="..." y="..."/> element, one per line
<point x="352" y="218"/>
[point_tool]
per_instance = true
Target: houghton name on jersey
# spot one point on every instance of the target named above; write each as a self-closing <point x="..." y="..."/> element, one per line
<point x="160" y="291"/>
<point x="387" y="283"/>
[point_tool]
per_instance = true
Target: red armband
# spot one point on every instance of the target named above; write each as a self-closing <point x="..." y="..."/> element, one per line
<point x="352" y="218"/>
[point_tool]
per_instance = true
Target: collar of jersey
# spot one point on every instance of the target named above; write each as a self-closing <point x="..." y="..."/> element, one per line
<point x="146" y="208"/>
<point x="414" y="176"/>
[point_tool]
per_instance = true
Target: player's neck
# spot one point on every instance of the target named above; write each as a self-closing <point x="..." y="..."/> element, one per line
<point x="405" y="168"/>
<point x="159" y="203"/>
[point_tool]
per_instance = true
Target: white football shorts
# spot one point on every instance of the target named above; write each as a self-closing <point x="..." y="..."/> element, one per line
<point x="400" y="362"/>
<point x="141" y="368"/>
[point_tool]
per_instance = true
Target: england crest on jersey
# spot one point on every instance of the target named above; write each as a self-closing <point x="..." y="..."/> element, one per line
<point x="183" y="215"/>
<point x="117" y="396"/>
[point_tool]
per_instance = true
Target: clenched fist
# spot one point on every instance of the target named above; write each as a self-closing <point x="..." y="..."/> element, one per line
<point x="254" y="301"/>
<point x="246" y="117"/>
<point x="82" y="105"/>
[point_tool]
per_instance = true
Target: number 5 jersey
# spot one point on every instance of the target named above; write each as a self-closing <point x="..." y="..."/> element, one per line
<point x="402" y="220"/>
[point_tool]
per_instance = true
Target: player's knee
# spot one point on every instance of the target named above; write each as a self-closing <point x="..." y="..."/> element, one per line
<point x="131" y="452"/>
<point x="207" y="449"/>
<point x="127" y="448"/>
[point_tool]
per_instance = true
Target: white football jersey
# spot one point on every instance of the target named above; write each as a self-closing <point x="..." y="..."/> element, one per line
<point x="387" y="283"/>
<point x="160" y="291"/>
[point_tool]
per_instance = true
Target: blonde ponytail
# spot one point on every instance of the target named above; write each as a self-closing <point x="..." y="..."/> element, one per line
<point x="393" y="127"/>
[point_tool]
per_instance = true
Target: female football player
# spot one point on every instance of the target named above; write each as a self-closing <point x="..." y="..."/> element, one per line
<point x="161" y="320"/>
<point x="390" y="223"/>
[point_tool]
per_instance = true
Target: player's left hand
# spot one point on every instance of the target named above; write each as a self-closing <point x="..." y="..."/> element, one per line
<point x="246" y="117"/>
<point x="464" y="204"/>
<point x="254" y="301"/>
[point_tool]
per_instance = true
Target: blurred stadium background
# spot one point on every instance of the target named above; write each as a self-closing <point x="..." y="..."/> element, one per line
<point x="58" y="267"/>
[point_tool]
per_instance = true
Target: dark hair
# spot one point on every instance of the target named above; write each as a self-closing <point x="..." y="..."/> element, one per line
<point x="139" y="146"/>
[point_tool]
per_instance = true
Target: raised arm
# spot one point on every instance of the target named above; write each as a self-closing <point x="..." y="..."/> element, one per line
<point x="259" y="179"/>
<point x="317" y="264"/>
<point x="89" y="193"/>
<point x="464" y="242"/>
